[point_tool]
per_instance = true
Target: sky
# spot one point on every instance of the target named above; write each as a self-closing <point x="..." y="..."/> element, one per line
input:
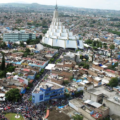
<point x="97" y="4"/>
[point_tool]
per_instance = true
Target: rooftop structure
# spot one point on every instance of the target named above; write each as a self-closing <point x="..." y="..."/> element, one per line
<point x="59" y="36"/>
<point x="47" y="90"/>
<point x="90" y="109"/>
<point x="102" y="95"/>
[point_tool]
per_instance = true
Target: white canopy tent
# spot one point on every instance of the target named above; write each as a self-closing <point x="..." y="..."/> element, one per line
<point x="50" y="66"/>
<point x="2" y="97"/>
<point x="104" y="66"/>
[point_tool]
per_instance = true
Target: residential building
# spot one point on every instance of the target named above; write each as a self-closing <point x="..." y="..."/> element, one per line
<point x="104" y="96"/>
<point x="90" y="109"/>
<point x="15" y="36"/>
<point x="47" y="91"/>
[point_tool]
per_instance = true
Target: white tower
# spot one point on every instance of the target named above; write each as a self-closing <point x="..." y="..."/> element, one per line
<point x="57" y="35"/>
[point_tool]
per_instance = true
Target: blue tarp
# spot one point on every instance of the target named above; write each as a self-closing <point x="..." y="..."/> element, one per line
<point x="8" y="28"/>
<point x="23" y="91"/>
<point x="66" y="90"/>
<point x="92" y="112"/>
<point x="119" y="57"/>
<point x="80" y="80"/>
<point x="105" y="37"/>
<point x="113" y="63"/>
<point x="36" y="51"/>
<point x="18" y="63"/>
<point x="74" y="80"/>
<point x="100" y="64"/>
<point x="9" y="45"/>
<point x="73" y="93"/>
<point x="61" y="107"/>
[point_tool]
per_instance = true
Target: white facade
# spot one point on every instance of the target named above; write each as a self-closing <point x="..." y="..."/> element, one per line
<point x="18" y="36"/>
<point x="59" y="36"/>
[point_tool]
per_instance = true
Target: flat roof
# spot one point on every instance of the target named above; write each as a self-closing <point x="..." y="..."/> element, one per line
<point x="77" y="102"/>
<point x="44" y="85"/>
<point x="101" y="90"/>
<point x="95" y="104"/>
<point x="50" y="66"/>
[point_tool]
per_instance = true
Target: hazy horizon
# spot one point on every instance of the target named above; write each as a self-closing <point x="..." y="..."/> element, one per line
<point x="94" y="4"/>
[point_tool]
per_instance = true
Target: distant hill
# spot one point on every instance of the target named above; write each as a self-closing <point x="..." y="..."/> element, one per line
<point x="36" y="6"/>
<point x="23" y="5"/>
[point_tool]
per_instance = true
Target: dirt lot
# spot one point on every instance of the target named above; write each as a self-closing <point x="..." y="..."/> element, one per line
<point x="56" y="115"/>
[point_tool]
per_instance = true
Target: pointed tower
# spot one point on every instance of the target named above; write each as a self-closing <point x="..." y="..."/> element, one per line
<point x="57" y="35"/>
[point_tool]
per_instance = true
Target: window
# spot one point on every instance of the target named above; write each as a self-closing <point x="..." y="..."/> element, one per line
<point x="41" y="97"/>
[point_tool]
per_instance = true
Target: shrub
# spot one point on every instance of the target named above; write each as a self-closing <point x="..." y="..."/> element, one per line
<point x="113" y="82"/>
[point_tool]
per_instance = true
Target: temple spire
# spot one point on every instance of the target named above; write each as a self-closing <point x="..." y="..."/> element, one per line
<point x="56" y="7"/>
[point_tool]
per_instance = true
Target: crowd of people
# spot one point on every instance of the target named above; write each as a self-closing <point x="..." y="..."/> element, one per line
<point x="26" y="108"/>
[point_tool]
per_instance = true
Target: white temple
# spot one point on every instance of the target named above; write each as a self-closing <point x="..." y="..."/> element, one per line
<point x="59" y="36"/>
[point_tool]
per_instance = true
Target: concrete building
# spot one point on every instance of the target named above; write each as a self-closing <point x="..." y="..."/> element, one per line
<point x="14" y="36"/>
<point x="46" y="91"/>
<point x="103" y="96"/>
<point x="89" y="109"/>
<point x="117" y="41"/>
<point x="59" y="36"/>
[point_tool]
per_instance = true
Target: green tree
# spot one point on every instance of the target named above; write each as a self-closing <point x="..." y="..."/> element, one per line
<point x="15" y="45"/>
<point x="71" y="77"/>
<point x="32" y="42"/>
<point x="42" y="71"/>
<point x="113" y="82"/>
<point x="65" y="82"/>
<point x="67" y="95"/>
<point x="2" y="74"/>
<point x="86" y="66"/>
<point x="105" y="46"/>
<point x="28" y="41"/>
<point x="77" y="117"/>
<point x="52" y="59"/>
<point x="3" y="45"/>
<point x="97" y="44"/>
<point x="37" y="76"/>
<point x="3" y="62"/>
<point x="30" y="85"/>
<point x="81" y="56"/>
<point x="44" y="31"/>
<point x="100" y="44"/>
<point x="40" y="37"/>
<point x="13" y="95"/>
<point x="94" y="43"/>
<point x="112" y="47"/>
<point x="22" y="44"/>
<point x="88" y="41"/>
<point x="78" y="93"/>
<point x="10" y="68"/>
<point x="27" y="50"/>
